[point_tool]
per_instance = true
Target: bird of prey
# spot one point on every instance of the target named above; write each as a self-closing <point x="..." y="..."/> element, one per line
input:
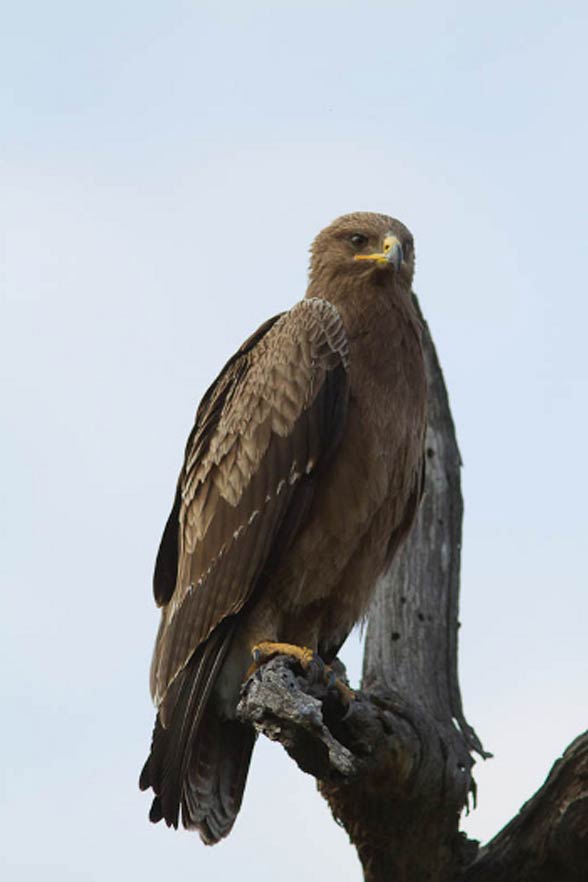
<point x="301" y="477"/>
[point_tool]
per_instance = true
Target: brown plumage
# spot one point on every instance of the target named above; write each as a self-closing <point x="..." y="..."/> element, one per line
<point x="301" y="477"/>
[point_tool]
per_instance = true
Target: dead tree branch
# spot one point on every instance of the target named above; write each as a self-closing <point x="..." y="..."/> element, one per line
<point x="548" y="840"/>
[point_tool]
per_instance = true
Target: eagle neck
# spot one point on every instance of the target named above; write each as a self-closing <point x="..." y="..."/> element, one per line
<point x="373" y="309"/>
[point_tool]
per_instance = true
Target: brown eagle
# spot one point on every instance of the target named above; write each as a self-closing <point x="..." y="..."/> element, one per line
<point x="302" y="475"/>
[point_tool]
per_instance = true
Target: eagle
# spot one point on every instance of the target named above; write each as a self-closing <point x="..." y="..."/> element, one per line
<point x="301" y="477"/>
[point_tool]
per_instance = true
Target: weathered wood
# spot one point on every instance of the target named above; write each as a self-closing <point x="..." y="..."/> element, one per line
<point x="411" y="644"/>
<point x="378" y="761"/>
<point x="285" y="707"/>
<point x="548" y="840"/>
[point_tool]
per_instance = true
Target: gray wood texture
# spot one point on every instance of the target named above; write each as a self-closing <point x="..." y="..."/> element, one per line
<point x="548" y="840"/>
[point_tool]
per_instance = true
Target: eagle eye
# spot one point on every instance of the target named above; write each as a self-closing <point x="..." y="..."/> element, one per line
<point x="358" y="240"/>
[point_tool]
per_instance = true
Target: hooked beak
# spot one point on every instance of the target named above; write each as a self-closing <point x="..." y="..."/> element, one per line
<point x="391" y="255"/>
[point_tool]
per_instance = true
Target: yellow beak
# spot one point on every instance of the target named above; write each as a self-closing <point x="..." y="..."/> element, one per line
<point x="391" y="255"/>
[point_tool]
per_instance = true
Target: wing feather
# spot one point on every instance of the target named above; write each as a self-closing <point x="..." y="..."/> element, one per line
<point x="207" y="418"/>
<point x="273" y="417"/>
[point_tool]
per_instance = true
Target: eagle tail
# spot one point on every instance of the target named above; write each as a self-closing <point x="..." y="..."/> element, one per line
<point x="198" y="761"/>
<point x="214" y="786"/>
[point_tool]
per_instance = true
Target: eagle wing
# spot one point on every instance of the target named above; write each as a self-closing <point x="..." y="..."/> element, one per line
<point x="270" y="421"/>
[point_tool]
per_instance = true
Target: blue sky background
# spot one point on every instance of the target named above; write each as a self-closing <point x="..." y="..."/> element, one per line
<point x="164" y="167"/>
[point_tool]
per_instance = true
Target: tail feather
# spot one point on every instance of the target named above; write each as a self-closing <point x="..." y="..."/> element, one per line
<point x="216" y="779"/>
<point x="198" y="760"/>
<point x="176" y="728"/>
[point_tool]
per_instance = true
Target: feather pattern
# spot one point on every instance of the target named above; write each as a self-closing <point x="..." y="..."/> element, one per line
<point x="272" y="415"/>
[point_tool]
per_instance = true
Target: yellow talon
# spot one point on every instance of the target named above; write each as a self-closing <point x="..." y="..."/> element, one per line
<point x="262" y="652"/>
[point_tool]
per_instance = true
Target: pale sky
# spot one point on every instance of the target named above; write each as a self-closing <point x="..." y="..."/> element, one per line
<point x="164" y="168"/>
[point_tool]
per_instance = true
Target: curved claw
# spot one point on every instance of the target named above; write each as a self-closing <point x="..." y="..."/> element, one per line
<point x="346" y="694"/>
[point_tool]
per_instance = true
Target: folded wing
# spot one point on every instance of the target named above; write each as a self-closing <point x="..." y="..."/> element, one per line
<point x="269" y="423"/>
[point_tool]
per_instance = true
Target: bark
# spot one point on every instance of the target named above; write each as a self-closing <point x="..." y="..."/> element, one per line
<point x="395" y="764"/>
<point x="548" y="840"/>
